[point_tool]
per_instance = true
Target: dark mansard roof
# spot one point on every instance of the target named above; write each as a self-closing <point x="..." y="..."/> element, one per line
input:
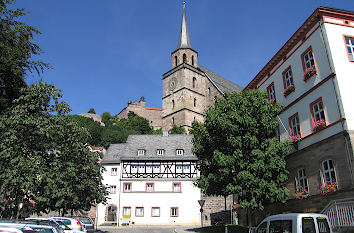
<point x="150" y="143"/>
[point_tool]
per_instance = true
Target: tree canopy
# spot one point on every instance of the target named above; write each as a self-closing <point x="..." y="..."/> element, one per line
<point x="94" y="128"/>
<point x="238" y="151"/>
<point x="45" y="162"/>
<point x="16" y="49"/>
<point x="92" y="110"/>
<point x="177" y="130"/>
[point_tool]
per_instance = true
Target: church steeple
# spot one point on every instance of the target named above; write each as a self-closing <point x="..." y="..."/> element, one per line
<point x="184" y="41"/>
<point x="184" y="54"/>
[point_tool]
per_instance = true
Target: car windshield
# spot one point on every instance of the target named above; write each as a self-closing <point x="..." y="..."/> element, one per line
<point x="42" y="230"/>
<point x="63" y="225"/>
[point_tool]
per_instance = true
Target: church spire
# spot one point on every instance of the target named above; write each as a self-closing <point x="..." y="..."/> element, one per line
<point x="184" y="41"/>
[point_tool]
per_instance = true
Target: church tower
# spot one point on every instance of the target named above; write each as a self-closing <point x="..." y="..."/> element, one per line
<point x="184" y="85"/>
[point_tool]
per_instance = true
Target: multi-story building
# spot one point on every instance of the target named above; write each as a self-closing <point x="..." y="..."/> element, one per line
<point x="150" y="179"/>
<point x="312" y="75"/>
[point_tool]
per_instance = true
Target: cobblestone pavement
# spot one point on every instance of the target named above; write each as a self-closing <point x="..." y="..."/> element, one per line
<point x="147" y="229"/>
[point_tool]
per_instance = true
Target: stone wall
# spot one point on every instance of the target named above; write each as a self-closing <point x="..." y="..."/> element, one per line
<point x="214" y="210"/>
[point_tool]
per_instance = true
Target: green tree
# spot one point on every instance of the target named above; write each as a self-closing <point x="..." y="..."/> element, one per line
<point x="107" y="119"/>
<point x="92" y="110"/>
<point x="44" y="158"/>
<point x="93" y="127"/>
<point x="177" y="130"/>
<point x="136" y="123"/>
<point x="114" y="134"/>
<point x="16" y="49"/>
<point x="238" y="151"/>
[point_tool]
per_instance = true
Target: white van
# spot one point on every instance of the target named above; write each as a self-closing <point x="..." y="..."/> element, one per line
<point x="294" y="223"/>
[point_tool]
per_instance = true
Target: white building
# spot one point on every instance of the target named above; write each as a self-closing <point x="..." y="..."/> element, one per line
<point x="312" y="75"/>
<point x="151" y="182"/>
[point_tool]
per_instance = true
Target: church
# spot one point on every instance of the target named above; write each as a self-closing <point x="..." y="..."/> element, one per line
<point x="151" y="176"/>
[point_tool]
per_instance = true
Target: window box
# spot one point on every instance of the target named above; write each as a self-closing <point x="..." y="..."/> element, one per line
<point x="309" y="72"/>
<point x="328" y="188"/>
<point x="296" y="139"/>
<point x="288" y="90"/>
<point x="302" y="194"/>
<point x="319" y="125"/>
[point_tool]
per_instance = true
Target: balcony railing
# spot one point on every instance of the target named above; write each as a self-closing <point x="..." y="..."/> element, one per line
<point x="340" y="213"/>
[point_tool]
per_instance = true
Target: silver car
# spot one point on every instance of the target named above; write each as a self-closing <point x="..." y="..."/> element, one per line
<point x="73" y="223"/>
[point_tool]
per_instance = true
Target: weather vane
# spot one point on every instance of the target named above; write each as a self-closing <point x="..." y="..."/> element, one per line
<point x="184" y="4"/>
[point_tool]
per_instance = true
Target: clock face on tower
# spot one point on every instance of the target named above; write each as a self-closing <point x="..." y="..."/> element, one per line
<point x="172" y="84"/>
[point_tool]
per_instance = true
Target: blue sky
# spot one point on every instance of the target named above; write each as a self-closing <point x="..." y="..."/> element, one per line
<point x="105" y="53"/>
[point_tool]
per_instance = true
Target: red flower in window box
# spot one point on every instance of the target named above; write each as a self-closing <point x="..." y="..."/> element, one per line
<point x="309" y="72"/>
<point x="328" y="188"/>
<point x="271" y="100"/>
<point x="318" y="125"/>
<point x="288" y="90"/>
<point x="302" y="194"/>
<point x="296" y="138"/>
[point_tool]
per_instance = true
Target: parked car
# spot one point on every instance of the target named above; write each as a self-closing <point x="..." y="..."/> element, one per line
<point x="29" y="225"/>
<point x="15" y="230"/>
<point x="73" y="223"/>
<point x="62" y="226"/>
<point x="88" y="223"/>
<point x="294" y="223"/>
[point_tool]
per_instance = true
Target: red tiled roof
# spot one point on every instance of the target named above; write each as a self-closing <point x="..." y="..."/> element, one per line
<point x="158" y="109"/>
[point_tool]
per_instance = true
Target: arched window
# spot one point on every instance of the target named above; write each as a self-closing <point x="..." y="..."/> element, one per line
<point x="195" y="102"/>
<point x="192" y="60"/>
<point x="208" y="90"/>
<point x="176" y="60"/>
<point x="173" y="120"/>
<point x="329" y="175"/>
<point x="194" y="80"/>
<point x="301" y="179"/>
<point x="173" y="103"/>
<point x="193" y="118"/>
<point x="184" y="58"/>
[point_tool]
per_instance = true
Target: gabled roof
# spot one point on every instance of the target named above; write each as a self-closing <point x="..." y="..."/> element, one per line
<point x="150" y="143"/>
<point x="222" y="84"/>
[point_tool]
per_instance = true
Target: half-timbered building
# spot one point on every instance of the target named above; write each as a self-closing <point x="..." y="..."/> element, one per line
<point x="150" y="179"/>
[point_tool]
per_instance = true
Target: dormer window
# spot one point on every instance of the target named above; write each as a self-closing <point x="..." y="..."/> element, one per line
<point x="179" y="152"/>
<point x="160" y="152"/>
<point x="141" y="152"/>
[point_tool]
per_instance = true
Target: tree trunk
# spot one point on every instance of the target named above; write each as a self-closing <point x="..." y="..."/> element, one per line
<point x="225" y="202"/>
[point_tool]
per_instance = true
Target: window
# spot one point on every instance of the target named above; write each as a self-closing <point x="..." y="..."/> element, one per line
<point x="195" y="102"/>
<point x="301" y="179"/>
<point x="173" y="103"/>
<point x="208" y="91"/>
<point x="179" y="169"/>
<point x="308" y="225"/>
<point x="141" y="152"/>
<point x="114" y="171"/>
<point x="271" y="92"/>
<point x="179" y="152"/>
<point x="156" y="169"/>
<point x="134" y="169"/>
<point x="113" y="189"/>
<point x="329" y="175"/>
<point x="323" y="226"/>
<point x="148" y="169"/>
<point x="280" y="226"/>
<point x="149" y="187"/>
<point x="308" y="60"/>
<point x="176" y="187"/>
<point x="141" y="169"/>
<point x="350" y="47"/>
<point x="173" y="120"/>
<point x="288" y="78"/>
<point x="126" y="211"/>
<point x="176" y="61"/>
<point x="317" y="112"/>
<point x="160" y="151"/>
<point x="294" y="125"/>
<point x="186" y="169"/>
<point x="174" y="211"/>
<point x="184" y="58"/>
<point x="192" y="60"/>
<point x="155" y="212"/>
<point x="139" y="211"/>
<point x="127" y="187"/>
<point x="194" y="80"/>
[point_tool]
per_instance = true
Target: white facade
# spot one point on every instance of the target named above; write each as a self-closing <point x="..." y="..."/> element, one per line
<point x="151" y="188"/>
<point x="312" y="76"/>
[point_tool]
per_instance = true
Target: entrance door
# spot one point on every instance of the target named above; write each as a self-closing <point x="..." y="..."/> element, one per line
<point x="112" y="213"/>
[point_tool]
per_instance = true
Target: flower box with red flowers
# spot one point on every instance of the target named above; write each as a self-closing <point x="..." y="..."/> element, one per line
<point x="296" y="138"/>
<point x="302" y="194"/>
<point x="309" y="72"/>
<point x="318" y="125"/>
<point x="328" y="188"/>
<point x="288" y="90"/>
